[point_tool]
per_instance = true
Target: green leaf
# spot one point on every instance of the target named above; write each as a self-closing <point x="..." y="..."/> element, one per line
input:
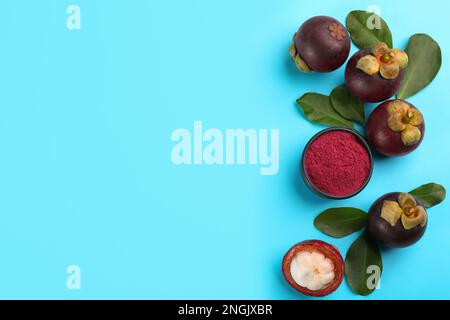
<point x="367" y="29"/>
<point x="341" y="222"/>
<point x="429" y="194"/>
<point x="346" y="105"/>
<point x="318" y="109"/>
<point x="363" y="265"/>
<point x="425" y="59"/>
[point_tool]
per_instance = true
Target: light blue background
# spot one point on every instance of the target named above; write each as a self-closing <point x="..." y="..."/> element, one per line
<point x="85" y="170"/>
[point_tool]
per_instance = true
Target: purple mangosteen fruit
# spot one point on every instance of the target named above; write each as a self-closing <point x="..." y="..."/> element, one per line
<point x="321" y="44"/>
<point x="375" y="75"/>
<point x="395" y="128"/>
<point x="397" y="220"/>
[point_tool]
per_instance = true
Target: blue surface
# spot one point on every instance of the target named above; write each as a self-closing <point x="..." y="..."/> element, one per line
<point x="86" y="176"/>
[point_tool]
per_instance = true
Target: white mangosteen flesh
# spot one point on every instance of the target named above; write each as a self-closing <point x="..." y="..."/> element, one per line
<point x="312" y="270"/>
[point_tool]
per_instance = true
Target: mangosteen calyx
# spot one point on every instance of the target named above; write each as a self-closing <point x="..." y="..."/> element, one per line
<point x="405" y="209"/>
<point x="299" y="62"/>
<point x="388" y="62"/>
<point x="406" y="120"/>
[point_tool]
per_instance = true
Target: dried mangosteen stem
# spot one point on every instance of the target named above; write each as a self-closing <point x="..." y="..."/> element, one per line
<point x="409" y="116"/>
<point x="386" y="58"/>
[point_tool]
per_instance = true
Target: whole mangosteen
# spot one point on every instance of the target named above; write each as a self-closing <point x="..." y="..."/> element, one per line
<point x="375" y="75"/>
<point x="321" y="44"/>
<point x="397" y="220"/>
<point x="395" y="128"/>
